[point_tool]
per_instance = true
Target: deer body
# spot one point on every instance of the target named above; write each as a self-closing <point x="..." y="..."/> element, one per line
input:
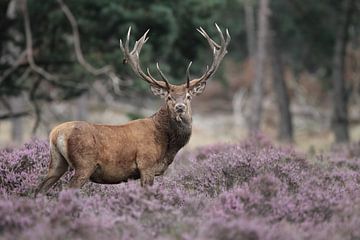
<point x="113" y="154"/>
<point x="142" y="148"/>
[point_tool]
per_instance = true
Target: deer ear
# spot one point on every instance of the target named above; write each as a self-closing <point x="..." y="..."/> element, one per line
<point x="198" y="89"/>
<point x="158" y="91"/>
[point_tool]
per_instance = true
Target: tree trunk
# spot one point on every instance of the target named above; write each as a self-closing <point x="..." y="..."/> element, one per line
<point x="285" y="127"/>
<point x="257" y="89"/>
<point x="240" y="112"/>
<point x="82" y="108"/>
<point x="340" y="121"/>
<point x="250" y="28"/>
<point x="17" y="130"/>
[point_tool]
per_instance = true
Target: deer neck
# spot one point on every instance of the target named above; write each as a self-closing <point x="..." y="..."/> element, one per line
<point x="175" y="131"/>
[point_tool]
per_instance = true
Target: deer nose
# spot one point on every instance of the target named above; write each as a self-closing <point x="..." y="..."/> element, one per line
<point x="180" y="107"/>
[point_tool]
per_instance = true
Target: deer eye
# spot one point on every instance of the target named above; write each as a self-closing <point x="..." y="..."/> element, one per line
<point x="169" y="98"/>
<point x="188" y="97"/>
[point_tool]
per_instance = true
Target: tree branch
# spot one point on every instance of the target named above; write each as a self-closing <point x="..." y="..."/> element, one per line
<point x="14" y="66"/>
<point x="13" y="115"/>
<point x="30" y="56"/>
<point x="29" y="46"/>
<point x="6" y="104"/>
<point x="106" y="70"/>
<point x="10" y="113"/>
<point x="37" y="110"/>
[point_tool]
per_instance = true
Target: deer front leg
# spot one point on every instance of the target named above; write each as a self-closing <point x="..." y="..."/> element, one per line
<point x="147" y="177"/>
<point x="146" y="169"/>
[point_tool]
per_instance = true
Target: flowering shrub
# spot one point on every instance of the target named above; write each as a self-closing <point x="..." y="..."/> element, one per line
<point x="250" y="190"/>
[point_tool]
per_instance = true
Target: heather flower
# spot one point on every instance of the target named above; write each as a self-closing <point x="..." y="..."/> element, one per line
<point x="249" y="190"/>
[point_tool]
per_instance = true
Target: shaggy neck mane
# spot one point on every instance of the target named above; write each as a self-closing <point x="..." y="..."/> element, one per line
<point x="176" y="132"/>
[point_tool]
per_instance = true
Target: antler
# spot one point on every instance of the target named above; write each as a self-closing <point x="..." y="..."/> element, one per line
<point x="133" y="59"/>
<point x="219" y="51"/>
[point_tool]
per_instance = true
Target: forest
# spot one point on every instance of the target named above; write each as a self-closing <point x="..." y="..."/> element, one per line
<point x="290" y="64"/>
<point x="275" y="146"/>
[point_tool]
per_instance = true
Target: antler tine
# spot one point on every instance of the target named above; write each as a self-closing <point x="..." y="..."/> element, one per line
<point x="133" y="59"/>
<point x="219" y="51"/>
<point x="139" y="43"/>
<point x="127" y="39"/>
<point x="148" y="72"/>
<point x="222" y="39"/>
<point x="206" y="36"/>
<point x="188" y="75"/>
<point x="162" y="75"/>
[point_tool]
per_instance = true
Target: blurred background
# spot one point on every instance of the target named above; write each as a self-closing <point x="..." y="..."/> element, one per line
<point x="292" y="71"/>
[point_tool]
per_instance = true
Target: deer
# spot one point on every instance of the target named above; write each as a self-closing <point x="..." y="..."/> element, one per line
<point x="140" y="149"/>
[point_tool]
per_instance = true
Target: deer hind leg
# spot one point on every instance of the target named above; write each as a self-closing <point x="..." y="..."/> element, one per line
<point x="58" y="166"/>
<point x="80" y="177"/>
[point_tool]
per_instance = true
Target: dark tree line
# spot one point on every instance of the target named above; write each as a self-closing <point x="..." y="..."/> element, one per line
<point x="57" y="50"/>
<point x="340" y="120"/>
<point x="310" y="34"/>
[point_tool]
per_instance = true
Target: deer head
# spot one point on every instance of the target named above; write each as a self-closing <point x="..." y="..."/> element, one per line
<point x="177" y="97"/>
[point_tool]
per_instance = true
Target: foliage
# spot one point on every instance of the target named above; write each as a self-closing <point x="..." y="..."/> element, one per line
<point x="173" y="42"/>
<point x="250" y="190"/>
<point x="311" y="25"/>
<point x="305" y="31"/>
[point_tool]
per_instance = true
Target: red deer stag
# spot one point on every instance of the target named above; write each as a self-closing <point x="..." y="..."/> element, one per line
<point x="142" y="148"/>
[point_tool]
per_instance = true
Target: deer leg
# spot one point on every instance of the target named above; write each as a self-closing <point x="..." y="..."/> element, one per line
<point x="58" y="166"/>
<point x="146" y="166"/>
<point x="147" y="177"/>
<point x="80" y="177"/>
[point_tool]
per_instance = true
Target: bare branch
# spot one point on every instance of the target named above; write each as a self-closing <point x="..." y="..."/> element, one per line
<point x="29" y="46"/>
<point x="10" y="113"/>
<point x="14" y="115"/>
<point x="24" y="75"/>
<point x="106" y="70"/>
<point x="14" y="66"/>
<point x="35" y="105"/>
<point x="77" y="44"/>
<point x="30" y="56"/>
<point x="6" y="104"/>
<point x="37" y="122"/>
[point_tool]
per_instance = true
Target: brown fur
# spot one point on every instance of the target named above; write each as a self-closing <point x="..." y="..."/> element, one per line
<point x="112" y="154"/>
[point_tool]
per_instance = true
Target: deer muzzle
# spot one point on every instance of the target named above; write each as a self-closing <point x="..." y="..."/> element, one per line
<point x="180" y="108"/>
